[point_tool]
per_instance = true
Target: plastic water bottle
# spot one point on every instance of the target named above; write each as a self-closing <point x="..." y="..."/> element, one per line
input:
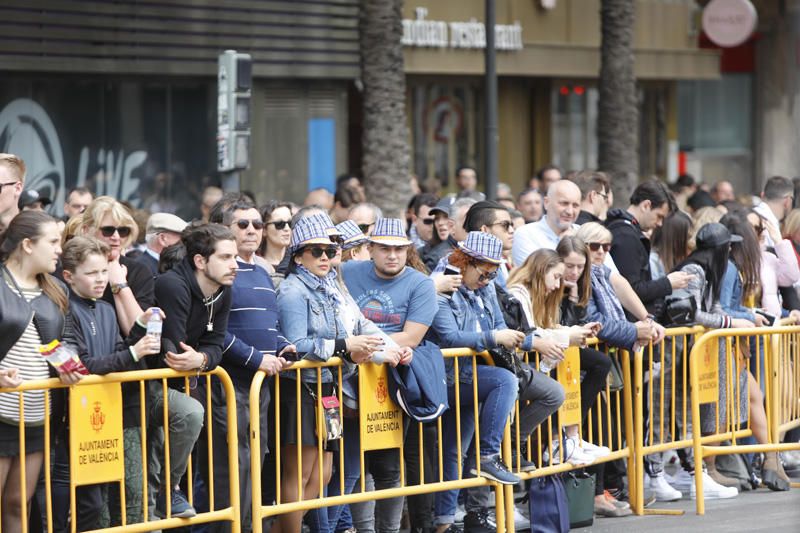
<point x="154" y="323"/>
<point x="544" y="365"/>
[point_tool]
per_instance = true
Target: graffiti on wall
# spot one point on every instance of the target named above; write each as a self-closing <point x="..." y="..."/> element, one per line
<point x="27" y="131"/>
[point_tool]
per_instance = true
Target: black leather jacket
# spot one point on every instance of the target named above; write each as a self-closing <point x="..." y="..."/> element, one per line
<point x="16" y="313"/>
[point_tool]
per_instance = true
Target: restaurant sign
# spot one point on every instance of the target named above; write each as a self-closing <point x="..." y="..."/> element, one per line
<point x="421" y="32"/>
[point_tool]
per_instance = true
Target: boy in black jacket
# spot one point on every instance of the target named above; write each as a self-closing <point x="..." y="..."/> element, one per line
<point x="195" y="297"/>
<point x="91" y="329"/>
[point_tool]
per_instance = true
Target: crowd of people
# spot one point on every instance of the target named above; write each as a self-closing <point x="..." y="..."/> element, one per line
<point x="252" y="289"/>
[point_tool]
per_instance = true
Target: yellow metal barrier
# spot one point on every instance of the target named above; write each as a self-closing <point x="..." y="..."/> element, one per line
<point x="661" y="408"/>
<point x="610" y="423"/>
<point x="261" y="511"/>
<point x="781" y="346"/>
<point x="230" y="513"/>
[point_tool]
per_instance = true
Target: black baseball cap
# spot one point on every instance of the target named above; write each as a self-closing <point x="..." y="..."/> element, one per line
<point x="443" y="206"/>
<point x="715" y="234"/>
<point x="30" y="197"/>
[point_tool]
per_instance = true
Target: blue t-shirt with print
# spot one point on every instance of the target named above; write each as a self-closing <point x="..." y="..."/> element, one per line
<point x="390" y="302"/>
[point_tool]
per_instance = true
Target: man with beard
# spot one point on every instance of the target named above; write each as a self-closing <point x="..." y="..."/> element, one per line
<point x="196" y="299"/>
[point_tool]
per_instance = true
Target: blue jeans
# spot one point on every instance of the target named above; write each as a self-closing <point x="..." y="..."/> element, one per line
<point x="497" y="392"/>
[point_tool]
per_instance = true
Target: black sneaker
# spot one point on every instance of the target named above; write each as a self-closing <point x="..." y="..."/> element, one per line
<point x="523" y="466"/>
<point x="479" y="522"/>
<point x="493" y="468"/>
<point x="180" y="508"/>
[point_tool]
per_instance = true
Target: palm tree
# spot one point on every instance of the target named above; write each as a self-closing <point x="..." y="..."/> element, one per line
<point x="386" y="154"/>
<point x="618" y="113"/>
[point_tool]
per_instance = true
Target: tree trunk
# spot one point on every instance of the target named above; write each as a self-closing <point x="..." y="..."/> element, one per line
<point x="386" y="154"/>
<point x="618" y="113"/>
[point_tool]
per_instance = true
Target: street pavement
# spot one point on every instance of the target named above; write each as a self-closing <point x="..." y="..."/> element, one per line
<point x="761" y="510"/>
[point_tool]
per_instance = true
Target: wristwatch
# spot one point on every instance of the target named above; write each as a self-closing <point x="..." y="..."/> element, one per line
<point x="116" y="287"/>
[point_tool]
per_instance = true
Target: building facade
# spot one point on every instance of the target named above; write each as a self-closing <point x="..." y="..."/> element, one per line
<point x="547" y="69"/>
<point x="121" y="97"/>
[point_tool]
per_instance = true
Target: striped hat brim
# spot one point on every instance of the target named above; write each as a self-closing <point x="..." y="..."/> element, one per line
<point x="478" y="256"/>
<point x="390" y="240"/>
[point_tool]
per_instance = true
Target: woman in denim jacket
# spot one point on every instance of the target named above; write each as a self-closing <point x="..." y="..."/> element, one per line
<point x="322" y="322"/>
<point x="472" y="318"/>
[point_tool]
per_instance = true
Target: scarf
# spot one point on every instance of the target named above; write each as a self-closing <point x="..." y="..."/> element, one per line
<point x="327" y="284"/>
<point x="602" y="289"/>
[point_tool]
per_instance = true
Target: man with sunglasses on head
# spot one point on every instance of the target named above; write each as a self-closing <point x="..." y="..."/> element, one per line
<point x="252" y="343"/>
<point x="493" y="218"/>
<point x="163" y="230"/>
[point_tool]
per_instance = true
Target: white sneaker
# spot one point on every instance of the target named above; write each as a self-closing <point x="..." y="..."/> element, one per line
<point x="460" y="514"/>
<point x="682" y="480"/>
<point x="577" y="455"/>
<point x="574" y="454"/>
<point x="713" y="490"/>
<point x="662" y="490"/>
<point x="592" y="449"/>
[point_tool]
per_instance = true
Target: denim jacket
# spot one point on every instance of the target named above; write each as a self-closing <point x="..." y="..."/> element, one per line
<point x="311" y="322"/>
<point x="456" y="325"/>
<point x="730" y="294"/>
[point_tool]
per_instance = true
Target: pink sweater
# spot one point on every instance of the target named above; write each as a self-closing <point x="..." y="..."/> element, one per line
<point x="777" y="271"/>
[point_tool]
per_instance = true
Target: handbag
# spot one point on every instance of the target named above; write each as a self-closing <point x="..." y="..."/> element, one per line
<point x="580" y="498"/>
<point x="615" y="380"/>
<point x="547" y="501"/>
<point x="680" y="308"/>
<point x="505" y="358"/>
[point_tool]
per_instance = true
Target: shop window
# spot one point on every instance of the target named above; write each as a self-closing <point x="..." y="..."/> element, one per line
<point x="150" y="144"/>
<point x="446" y="129"/>
<point x="574" y="122"/>
<point x="715" y="114"/>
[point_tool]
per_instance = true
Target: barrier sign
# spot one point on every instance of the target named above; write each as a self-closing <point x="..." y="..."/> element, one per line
<point x="569" y="375"/>
<point x="381" y="419"/>
<point x="95" y="437"/>
<point x="708" y="373"/>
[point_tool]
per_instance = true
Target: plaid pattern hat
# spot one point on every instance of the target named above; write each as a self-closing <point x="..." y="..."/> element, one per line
<point x="352" y="234"/>
<point x="324" y="220"/>
<point x="308" y="231"/>
<point x="483" y="246"/>
<point x="389" y="231"/>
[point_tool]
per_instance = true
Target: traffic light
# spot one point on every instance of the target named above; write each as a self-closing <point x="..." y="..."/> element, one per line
<point x="234" y="83"/>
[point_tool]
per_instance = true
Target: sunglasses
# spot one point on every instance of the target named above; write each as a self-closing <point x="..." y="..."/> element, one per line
<point x="108" y="231"/>
<point x="595" y="246"/>
<point x="244" y="222"/>
<point x="316" y="253"/>
<point x="280" y="224"/>
<point x="365" y="227"/>
<point x="507" y="224"/>
<point x="428" y="221"/>
<point x="486" y="276"/>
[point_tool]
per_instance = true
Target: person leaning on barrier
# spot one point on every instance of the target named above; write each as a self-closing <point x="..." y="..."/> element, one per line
<point x="92" y="330"/>
<point x="402" y="302"/>
<point x="29" y="250"/>
<point x="196" y="299"/>
<point x="739" y="285"/>
<point x="708" y="263"/>
<point x="252" y="343"/>
<point x="471" y="318"/>
<point x="321" y="322"/>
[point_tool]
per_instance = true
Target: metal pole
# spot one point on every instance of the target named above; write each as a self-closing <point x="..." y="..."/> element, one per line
<point x="490" y="82"/>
